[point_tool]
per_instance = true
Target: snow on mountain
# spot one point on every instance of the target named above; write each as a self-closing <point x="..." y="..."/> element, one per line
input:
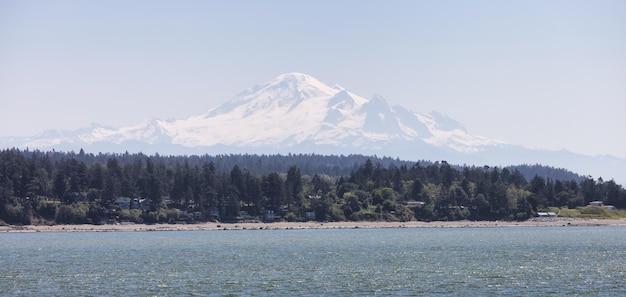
<point x="291" y="110"/>
<point x="297" y="113"/>
<point x="150" y="131"/>
<point x="290" y="107"/>
<point x="295" y="108"/>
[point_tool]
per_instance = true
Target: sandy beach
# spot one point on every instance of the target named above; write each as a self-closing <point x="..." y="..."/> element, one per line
<point x="565" y="222"/>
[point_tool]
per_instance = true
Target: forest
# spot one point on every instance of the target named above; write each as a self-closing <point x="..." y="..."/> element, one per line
<point x="77" y="188"/>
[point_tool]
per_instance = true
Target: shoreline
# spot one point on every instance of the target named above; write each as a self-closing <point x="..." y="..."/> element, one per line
<point x="547" y="222"/>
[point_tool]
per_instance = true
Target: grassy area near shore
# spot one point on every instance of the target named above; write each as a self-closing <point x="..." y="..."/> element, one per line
<point x="589" y="212"/>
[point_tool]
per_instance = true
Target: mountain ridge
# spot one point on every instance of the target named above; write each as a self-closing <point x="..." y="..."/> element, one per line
<point x="295" y="112"/>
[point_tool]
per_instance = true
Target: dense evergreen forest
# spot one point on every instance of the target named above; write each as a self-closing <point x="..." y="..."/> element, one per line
<point x="71" y="188"/>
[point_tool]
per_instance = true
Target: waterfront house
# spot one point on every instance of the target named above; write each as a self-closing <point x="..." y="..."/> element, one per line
<point x="415" y="203"/>
<point x="123" y="202"/>
<point x="546" y="214"/>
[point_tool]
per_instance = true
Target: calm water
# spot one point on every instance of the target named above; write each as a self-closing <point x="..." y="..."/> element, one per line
<point x="518" y="261"/>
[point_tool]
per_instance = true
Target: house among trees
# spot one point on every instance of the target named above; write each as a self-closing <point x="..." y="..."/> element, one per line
<point x="546" y="214"/>
<point x="415" y="203"/>
<point x="123" y="202"/>
<point x="270" y="216"/>
<point x="128" y="203"/>
<point x="244" y="216"/>
<point x="601" y="204"/>
<point x="596" y="203"/>
<point x="309" y="216"/>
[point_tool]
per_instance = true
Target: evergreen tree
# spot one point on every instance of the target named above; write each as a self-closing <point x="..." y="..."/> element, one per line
<point x="293" y="187"/>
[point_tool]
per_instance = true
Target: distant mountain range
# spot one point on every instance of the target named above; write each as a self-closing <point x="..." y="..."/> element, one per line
<point x="296" y="113"/>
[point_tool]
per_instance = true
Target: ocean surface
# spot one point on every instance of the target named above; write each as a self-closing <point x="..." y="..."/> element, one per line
<point x="504" y="261"/>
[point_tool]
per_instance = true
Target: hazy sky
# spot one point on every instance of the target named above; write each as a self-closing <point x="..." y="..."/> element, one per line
<point x="545" y="74"/>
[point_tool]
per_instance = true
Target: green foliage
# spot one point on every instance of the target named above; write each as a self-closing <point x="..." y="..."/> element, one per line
<point x="291" y="217"/>
<point x="47" y="209"/>
<point x="380" y="195"/>
<point x="131" y="215"/>
<point x="594" y="212"/>
<point x="13" y="213"/>
<point x="75" y="213"/>
<point x="151" y="217"/>
<point x="51" y="187"/>
<point x="336" y="214"/>
<point x="366" y="214"/>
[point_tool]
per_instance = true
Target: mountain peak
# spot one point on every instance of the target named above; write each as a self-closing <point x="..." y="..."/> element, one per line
<point x="291" y="87"/>
<point x="295" y="76"/>
<point x="299" y="82"/>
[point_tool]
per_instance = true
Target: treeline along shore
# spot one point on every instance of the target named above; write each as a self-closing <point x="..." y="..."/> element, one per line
<point x="56" y="188"/>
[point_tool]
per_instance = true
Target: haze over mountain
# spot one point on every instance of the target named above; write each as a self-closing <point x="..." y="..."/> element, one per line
<point x="296" y="113"/>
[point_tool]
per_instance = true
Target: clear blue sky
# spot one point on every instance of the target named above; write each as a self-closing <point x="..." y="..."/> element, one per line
<point x="546" y="74"/>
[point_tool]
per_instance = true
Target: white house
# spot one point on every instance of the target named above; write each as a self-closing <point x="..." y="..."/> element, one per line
<point x="546" y="214"/>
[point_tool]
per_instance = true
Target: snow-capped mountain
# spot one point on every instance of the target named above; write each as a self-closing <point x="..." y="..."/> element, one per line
<point x="296" y="113"/>
<point x="288" y="111"/>
<point x="296" y="108"/>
